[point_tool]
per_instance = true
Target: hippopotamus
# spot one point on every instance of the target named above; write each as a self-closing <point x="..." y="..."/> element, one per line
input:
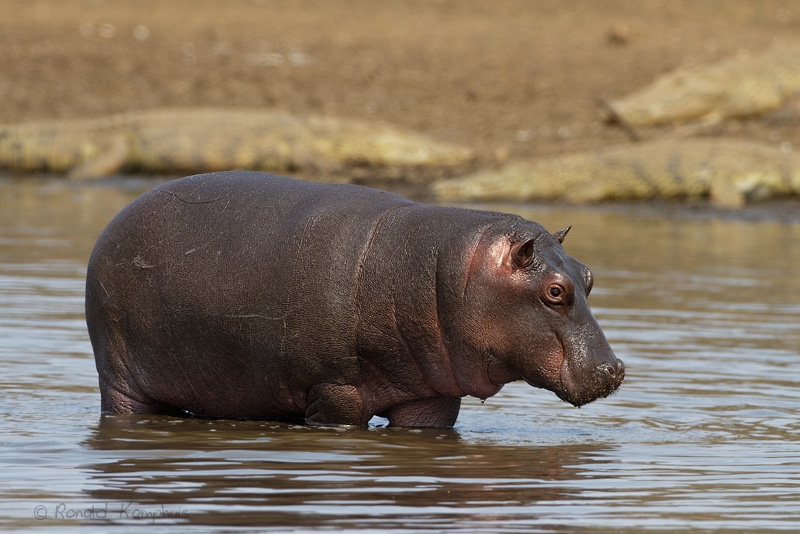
<point x="252" y="296"/>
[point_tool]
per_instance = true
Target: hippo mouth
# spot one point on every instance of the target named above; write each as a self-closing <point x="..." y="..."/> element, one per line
<point x="598" y="382"/>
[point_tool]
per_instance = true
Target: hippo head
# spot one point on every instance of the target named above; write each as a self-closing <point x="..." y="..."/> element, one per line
<point x="536" y="323"/>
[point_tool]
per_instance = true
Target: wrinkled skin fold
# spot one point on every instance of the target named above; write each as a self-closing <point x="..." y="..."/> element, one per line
<point x="248" y="295"/>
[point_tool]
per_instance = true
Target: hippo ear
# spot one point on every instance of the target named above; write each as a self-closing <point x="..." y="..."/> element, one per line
<point x="522" y="253"/>
<point x="561" y="234"/>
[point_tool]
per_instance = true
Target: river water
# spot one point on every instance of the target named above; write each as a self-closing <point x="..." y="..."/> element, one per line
<point x="704" y="434"/>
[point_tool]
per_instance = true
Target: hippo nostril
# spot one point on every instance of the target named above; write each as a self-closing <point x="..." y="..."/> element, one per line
<point x="612" y="371"/>
<point x="607" y="369"/>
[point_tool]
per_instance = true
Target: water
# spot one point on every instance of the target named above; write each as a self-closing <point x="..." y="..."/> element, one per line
<point x="704" y="435"/>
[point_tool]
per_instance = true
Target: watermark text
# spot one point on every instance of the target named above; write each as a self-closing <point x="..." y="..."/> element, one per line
<point x="109" y="511"/>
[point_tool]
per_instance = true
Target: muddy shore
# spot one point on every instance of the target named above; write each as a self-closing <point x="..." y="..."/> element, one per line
<point x="512" y="78"/>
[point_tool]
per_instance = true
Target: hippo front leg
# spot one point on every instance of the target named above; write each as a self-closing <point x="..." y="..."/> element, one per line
<point x="334" y="404"/>
<point x="439" y="412"/>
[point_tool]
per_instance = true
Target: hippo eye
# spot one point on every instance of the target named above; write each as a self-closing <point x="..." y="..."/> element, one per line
<point x="555" y="294"/>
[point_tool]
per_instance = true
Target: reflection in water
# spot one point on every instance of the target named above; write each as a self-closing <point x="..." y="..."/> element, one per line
<point x="292" y="475"/>
<point x="703" y="434"/>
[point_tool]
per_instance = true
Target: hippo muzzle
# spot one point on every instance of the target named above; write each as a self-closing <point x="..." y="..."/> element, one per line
<point x="589" y="369"/>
